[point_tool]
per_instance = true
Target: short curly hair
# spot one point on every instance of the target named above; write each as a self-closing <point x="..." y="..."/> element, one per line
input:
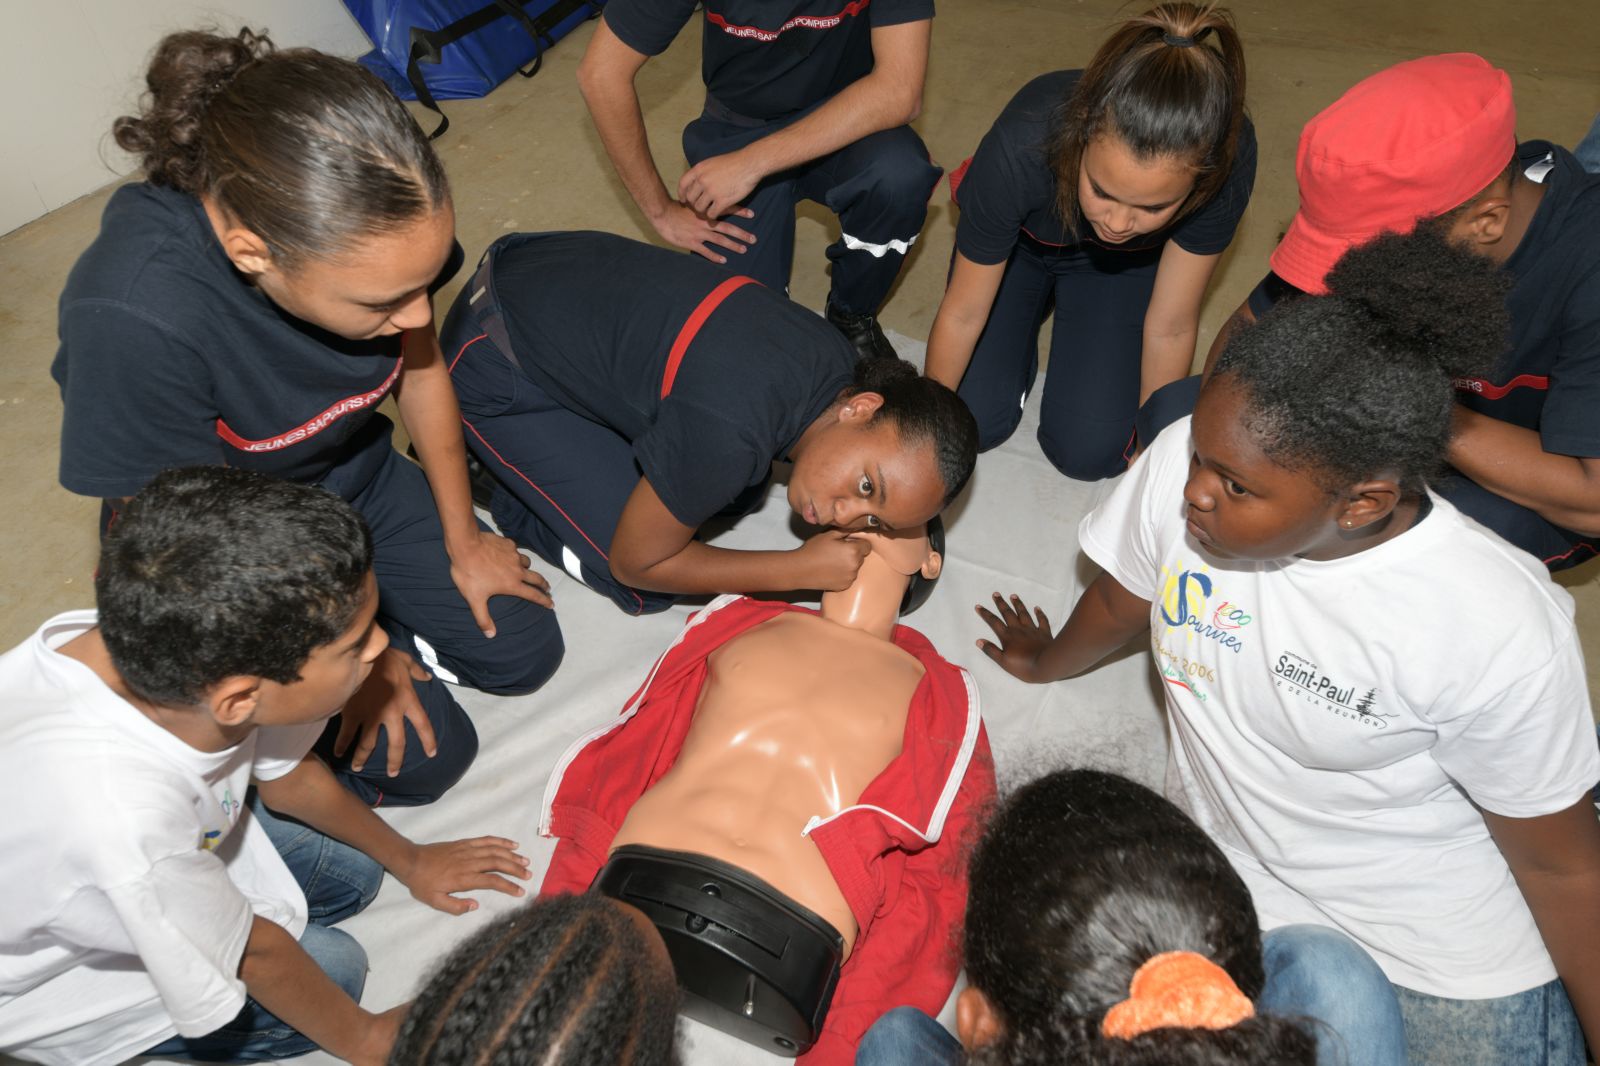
<point x="1360" y="382"/>
<point x="211" y="572"/>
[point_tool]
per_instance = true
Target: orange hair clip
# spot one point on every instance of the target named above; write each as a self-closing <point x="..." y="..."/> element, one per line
<point x="1177" y="989"/>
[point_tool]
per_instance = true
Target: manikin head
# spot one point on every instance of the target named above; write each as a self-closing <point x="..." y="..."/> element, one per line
<point x="896" y="578"/>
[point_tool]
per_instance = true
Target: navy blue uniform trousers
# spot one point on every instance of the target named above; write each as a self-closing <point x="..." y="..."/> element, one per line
<point x="418" y="598"/>
<point x="1091" y="395"/>
<point x="562" y="478"/>
<point x="877" y="186"/>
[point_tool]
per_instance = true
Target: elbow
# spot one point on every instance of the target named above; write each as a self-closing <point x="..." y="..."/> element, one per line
<point x="912" y="108"/>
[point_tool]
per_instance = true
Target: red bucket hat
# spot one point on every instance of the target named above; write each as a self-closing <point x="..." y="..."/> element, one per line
<point x="1408" y="143"/>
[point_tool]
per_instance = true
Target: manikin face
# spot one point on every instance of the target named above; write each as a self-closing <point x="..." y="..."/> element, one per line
<point x="1123" y="196"/>
<point x="331" y="674"/>
<point x="1243" y="505"/>
<point x="905" y="552"/>
<point x="856" y="474"/>
<point x="377" y="287"/>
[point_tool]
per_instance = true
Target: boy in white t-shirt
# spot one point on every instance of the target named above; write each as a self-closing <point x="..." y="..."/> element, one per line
<point x="150" y="908"/>
<point x="1378" y="708"/>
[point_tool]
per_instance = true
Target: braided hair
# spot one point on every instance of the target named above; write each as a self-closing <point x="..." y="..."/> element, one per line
<point x="561" y="981"/>
<point x="1081" y="877"/>
<point x="1360" y="382"/>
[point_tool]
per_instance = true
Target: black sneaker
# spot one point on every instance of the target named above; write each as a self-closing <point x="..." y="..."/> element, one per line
<point x="863" y="332"/>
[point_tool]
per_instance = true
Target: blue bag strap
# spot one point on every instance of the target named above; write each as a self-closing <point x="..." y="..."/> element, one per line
<point x="427" y="46"/>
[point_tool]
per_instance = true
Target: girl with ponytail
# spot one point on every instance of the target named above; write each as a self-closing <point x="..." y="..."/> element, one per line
<point x="1108" y="193"/>
<point x="1102" y="927"/>
<point x="1378" y="708"/>
<point x="250" y="303"/>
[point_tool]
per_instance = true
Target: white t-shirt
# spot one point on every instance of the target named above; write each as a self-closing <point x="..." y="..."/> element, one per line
<point x="1330" y="721"/>
<point x="128" y="893"/>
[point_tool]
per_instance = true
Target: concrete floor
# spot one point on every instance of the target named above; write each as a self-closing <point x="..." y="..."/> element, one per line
<point x="527" y="158"/>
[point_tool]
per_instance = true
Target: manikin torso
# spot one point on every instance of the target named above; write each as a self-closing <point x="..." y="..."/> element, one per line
<point x="796" y="717"/>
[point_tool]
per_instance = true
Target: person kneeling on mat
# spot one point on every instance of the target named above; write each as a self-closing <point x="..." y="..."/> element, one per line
<point x="623" y="395"/>
<point x="775" y="797"/>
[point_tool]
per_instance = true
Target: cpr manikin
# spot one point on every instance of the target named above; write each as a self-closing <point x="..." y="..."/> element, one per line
<point x="777" y="788"/>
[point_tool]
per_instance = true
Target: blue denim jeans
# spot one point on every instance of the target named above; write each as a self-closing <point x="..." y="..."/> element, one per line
<point x="1361" y="1019"/>
<point x="338" y="881"/>
<point x="1588" y="150"/>
<point x="907" y="1037"/>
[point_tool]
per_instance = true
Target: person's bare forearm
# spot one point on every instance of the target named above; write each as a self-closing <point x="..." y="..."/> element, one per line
<point x="285" y="980"/>
<point x="432" y="417"/>
<point x="1510" y="461"/>
<point x="950" y="347"/>
<point x="1166" y="358"/>
<point x="606" y="79"/>
<point x="1105" y="618"/>
<point x="866" y="106"/>
<point x="703" y="569"/>
<point x="311" y="794"/>
<point x="1555" y="859"/>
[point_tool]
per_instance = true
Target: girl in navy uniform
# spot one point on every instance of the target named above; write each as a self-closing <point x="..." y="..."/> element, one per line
<point x="251" y="303"/>
<point x="1110" y="192"/>
<point x="623" y="395"/>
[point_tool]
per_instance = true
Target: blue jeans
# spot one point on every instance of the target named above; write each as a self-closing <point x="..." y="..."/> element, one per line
<point x="907" y="1037"/>
<point x="1361" y="1019"/>
<point x="338" y="882"/>
<point x="1588" y="150"/>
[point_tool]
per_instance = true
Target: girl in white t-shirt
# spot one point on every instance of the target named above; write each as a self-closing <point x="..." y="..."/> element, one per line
<point x="1378" y="708"/>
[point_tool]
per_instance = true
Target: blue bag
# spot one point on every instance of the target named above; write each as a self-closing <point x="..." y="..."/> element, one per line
<point x="431" y="50"/>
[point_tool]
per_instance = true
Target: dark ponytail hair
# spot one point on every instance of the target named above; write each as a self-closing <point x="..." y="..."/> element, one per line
<point x="923" y="410"/>
<point x="1080" y="879"/>
<point x="563" y="980"/>
<point x="306" y="150"/>
<point x="1160" y="98"/>
<point x="1360" y="382"/>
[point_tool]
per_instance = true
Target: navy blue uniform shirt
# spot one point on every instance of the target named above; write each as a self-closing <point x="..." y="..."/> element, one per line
<point x="768" y="60"/>
<point x="170" y="357"/>
<point x="596" y="321"/>
<point x="1009" y="188"/>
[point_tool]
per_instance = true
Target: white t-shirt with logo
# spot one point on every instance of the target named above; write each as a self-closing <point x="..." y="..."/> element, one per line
<point x="131" y="871"/>
<point x="1333" y="723"/>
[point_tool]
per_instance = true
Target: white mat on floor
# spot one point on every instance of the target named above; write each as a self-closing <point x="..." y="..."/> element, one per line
<point x="1015" y="530"/>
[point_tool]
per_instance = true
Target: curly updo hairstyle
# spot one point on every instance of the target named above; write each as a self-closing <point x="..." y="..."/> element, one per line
<point x="1081" y="878"/>
<point x="923" y="411"/>
<point x="308" y="151"/>
<point x="1361" y="382"/>
<point x="561" y="981"/>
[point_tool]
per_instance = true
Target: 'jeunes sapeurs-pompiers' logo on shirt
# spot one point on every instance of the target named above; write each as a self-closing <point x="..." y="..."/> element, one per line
<point x="1303" y="678"/>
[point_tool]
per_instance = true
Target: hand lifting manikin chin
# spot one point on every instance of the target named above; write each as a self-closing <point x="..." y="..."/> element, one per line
<point x="797" y="716"/>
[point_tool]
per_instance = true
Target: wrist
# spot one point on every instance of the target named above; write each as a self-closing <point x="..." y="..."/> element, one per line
<point x="403" y="863"/>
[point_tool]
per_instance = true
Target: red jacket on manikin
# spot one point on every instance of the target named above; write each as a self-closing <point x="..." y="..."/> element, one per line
<point x="907" y="895"/>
